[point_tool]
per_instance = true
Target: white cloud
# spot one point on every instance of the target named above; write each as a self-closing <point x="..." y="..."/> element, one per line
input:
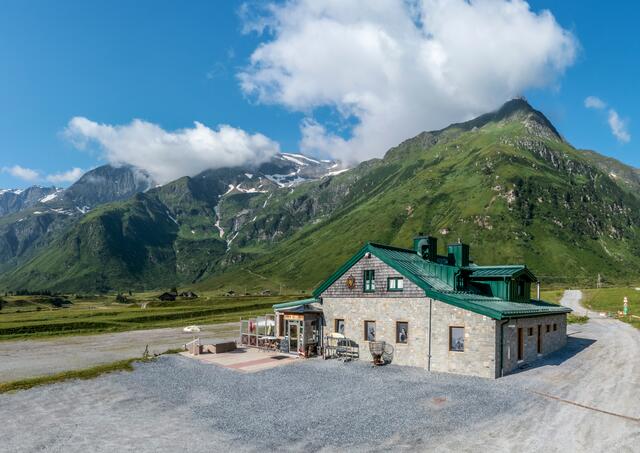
<point x="26" y="174"/>
<point x="594" y="102"/>
<point x="618" y="127"/>
<point x="396" y="68"/>
<point x="69" y="176"/>
<point x="167" y="155"/>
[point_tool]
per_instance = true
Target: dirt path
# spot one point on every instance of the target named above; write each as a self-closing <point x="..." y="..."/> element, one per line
<point x="28" y="358"/>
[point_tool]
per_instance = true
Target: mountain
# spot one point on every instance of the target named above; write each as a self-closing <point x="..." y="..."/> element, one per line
<point x="65" y="222"/>
<point x="506" y="182"/>
<point x="35" y="216"/>
<point x="14" y="200"/>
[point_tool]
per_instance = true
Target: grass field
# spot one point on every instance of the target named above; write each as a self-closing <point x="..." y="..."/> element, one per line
<point x="35" y="316"/>
<point x="610" y="300"/>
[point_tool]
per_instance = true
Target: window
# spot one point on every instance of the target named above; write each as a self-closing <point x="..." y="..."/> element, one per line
<point x="370" y="331"/>
<point x="548" y="328"/>
<point x="395" y="284"/>
<point x="530" y="332"/>
<point x="369" y="281"/>
<point x="456" y="339"/>
<point x="555" y="327"/>
<point x="339" y="326"/>
<point x="402" y="332"/>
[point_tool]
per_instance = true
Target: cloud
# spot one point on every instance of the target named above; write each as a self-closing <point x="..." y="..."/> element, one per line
<point x="69" y="176"/>
<point x="393" y="68"/>
<point x="167" y="155"/>
<point x="617" y="125"/>
<point x="26" y="174"/>
<point x="594" y="102"/>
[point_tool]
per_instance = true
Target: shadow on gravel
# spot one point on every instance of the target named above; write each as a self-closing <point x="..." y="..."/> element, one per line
<point x="574" y="347"/>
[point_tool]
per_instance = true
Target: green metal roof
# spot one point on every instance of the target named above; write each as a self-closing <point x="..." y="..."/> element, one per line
<point x="431" y="277"/>
<point x="294" y="303"/>
<point x="500" y="271"/>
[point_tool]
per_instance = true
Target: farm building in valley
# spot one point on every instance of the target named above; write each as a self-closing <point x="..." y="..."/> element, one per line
<point x="442" y="313"/>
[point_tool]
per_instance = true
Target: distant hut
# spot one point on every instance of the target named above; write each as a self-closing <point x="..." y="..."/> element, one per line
<point x="188" y="295"/>
<point x="167" y="296"/>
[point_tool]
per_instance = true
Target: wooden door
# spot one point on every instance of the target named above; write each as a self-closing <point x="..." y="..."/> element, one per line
<point x="520" y="344"/>
<point x="539" y="338"/>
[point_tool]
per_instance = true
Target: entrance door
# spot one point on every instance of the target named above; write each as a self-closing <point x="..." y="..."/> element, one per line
<point x="539" y="339"/>
<point x="520" y="344"/>
<point x="294" y="335"/>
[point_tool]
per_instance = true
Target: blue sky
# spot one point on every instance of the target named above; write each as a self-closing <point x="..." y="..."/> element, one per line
<point x="174" y="63"/>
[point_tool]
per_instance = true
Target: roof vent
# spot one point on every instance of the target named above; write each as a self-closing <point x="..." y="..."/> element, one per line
<point x="426" y="247"/>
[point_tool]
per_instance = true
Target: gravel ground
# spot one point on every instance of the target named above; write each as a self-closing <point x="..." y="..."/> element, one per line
<point x="309" y="405"/>
<point x="178" y="404"/>
<point x="28" y="358"/>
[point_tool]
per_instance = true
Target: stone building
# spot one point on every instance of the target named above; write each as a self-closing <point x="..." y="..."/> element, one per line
<point x="441" y="313"/>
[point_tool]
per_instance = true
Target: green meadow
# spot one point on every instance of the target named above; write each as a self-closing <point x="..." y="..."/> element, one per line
<point x="38" y="316"/>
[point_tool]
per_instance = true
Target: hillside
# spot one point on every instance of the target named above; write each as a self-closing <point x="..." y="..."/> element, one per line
<point x="505" y="182"/>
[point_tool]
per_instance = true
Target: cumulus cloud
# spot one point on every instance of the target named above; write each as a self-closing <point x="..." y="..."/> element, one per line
<point x="617" y="125"/>
<point x="167" y="155"/>
<point x="66" y="176"/>
<point x="26" y="174"/>
<point x="395" y="68"/>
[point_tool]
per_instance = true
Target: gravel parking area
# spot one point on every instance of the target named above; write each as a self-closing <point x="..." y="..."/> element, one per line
<point x="310" y="405"/>
<point x="21" y="359"/>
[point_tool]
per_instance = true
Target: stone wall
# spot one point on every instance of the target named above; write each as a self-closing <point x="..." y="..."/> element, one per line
<point x="479" y="353"/>
<point x="382" y="271"/>
<point x="550" y="341"/>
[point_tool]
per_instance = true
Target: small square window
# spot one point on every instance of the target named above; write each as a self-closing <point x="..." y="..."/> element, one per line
<point x="369" y="281"/>
<point x="402" y="332"/>
<point x="339" y="326"/>
<point x="555" y="327"/>
<point x="370" y="331"/>
<point x="395" y="284"/>
<point x="530" y="331"/>
<point x="456" y="339"/>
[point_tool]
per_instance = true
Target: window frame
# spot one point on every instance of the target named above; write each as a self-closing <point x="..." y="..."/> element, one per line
<point x="372" y="280"/>
<point x="366" y="330"/>
<point x="548" y="328"/>
<point x="555" y="327"/>
<point x="406" y="341"/>
<point x="335" y="325"/>
<point x="451" y="338"/>
<point x="396" y="289"/>
<point x="530" y="331"/>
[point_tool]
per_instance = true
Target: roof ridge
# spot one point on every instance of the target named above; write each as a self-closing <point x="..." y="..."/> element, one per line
<point x="391" y="247"/>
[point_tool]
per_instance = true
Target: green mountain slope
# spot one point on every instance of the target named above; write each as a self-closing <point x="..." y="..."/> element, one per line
<point x="506" y="182"/>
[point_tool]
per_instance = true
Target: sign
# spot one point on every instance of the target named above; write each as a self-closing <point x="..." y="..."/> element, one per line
<point x="350" y="282"/>
<point x="293" y="317"/>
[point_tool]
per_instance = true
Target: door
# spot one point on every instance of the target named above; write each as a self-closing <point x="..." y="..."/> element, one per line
<point x="520" y="344"/>
<point x="539" y="338"/>
<point x="293" y="332"/>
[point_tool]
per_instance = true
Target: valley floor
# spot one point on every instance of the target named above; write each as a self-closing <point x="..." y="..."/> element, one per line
<point x="584" y="398"/>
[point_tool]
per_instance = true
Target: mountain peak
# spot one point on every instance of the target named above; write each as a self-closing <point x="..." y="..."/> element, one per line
<point x="517" y="109"/>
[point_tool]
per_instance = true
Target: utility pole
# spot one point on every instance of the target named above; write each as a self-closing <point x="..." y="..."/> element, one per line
<point x="599" y="283"/>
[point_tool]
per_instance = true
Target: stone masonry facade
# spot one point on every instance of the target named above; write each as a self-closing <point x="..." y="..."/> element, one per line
<point x="553" y="336"/>
<point x="481" y="355"/>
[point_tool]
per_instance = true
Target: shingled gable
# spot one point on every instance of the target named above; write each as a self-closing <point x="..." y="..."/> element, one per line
<point x="412" y="266"/>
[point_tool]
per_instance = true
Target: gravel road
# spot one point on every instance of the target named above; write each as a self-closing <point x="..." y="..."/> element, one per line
<point x="582" y="399"/>
<point x="28" y="358"/>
